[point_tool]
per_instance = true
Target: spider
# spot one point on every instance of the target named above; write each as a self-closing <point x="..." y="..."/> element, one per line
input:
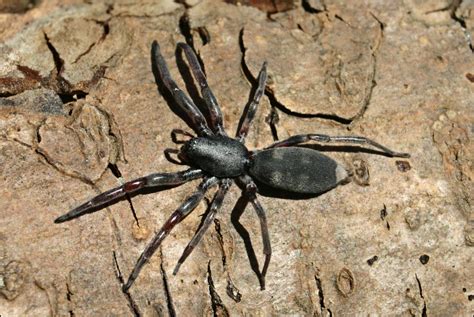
<point x="219" y="160"/>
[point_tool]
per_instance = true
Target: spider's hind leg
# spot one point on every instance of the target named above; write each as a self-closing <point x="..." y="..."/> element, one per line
<point x="251" y="194"/>
<point x="185" y="209"/>
<point x="303" y="138"/>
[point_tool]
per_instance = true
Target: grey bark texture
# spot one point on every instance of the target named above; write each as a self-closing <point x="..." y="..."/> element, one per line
<point x="78" y="97"/>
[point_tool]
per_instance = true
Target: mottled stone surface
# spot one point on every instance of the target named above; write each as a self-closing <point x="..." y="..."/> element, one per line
<point x="80" y="108"/>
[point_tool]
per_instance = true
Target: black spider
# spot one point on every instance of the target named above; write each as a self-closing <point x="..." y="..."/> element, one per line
<point x="220" y="159"/>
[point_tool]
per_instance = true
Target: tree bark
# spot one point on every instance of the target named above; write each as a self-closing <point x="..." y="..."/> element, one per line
<point x="80" y="111"/>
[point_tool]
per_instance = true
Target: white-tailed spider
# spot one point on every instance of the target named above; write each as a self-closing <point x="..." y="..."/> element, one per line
<point x="219" y="160"/>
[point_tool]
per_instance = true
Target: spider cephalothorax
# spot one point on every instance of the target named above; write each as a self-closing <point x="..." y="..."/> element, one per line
<point x="218" y="155"/>
<point x="220" y="160"/>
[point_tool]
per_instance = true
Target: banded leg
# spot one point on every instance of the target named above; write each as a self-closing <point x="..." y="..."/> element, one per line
<point x="216" y="205"/>
<point x="186" y="104"/>
<point x="249" y="113"/>
<point x="302" y="138"/>
<point x="206" y="92"/>
<point x="251" y="193"/>
<point x="152" y="180"/>
<point x="186" y="207"/>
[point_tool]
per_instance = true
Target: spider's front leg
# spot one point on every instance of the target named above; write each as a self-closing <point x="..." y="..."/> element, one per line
<point x="186" y="104"/>
<point x="249" y="112"/>
<point x="112" y="195"/>
<point x="206" y="92"/>
<point x="187" y="207"/>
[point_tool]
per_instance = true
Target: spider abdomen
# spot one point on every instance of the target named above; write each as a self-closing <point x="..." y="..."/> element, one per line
<point x="219" y="156"/>
<point x="296" y="169"/>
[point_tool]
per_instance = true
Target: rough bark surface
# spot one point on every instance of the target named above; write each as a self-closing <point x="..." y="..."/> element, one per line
<point x="79" y="107"/>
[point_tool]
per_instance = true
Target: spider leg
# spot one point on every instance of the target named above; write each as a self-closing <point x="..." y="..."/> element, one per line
<point x="206" y="92"/>
<point x="302" y="138"/>
<point x="186" y="207"/>
<point x="251" y="193"/>
<point x="169" y="156"/>
<point x="152" y="180"/>
<point x="176" y="132"/>
<point x="198" y="120"/>
<point x="249" y="112"/>
<point x="216" y="204"/>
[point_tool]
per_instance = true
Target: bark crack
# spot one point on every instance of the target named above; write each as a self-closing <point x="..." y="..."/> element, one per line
<point x="69" y="295"/>
<point x="423" y="312"/>
<point x="218" y="308"/>
<point x="130" y="301"/>
<point x="116" y="153"/>
<point x="58" y="61"/>
<point x="220" y="238"/>
<point x="143" y="16"/>
<point x="383" y="215"/>
<point x="51" y="162"/>
<point x="186" y="30"/>
<point x="169" y="298"/>
<point x="232" y="291"/>
<point x="275" y="104"/>
<point x="64" y="89"/>
<point x="374" y="49"/>
<point x="452" y="8"/>
<point x="306" y="5"/>
<point x="322" y="304"/>
<point x="84" y="53"/>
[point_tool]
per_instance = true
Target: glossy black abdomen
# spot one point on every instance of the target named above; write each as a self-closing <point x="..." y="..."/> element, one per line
<point x="296" y="169"/>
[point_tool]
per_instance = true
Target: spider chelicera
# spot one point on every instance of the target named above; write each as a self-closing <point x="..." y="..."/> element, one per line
<point x="220" y="160"/>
